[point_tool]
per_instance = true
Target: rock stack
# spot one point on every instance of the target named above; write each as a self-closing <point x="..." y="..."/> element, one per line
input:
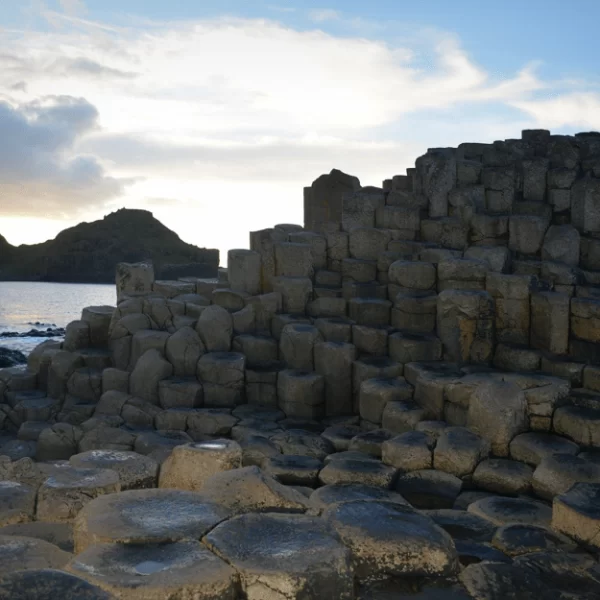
<point x="400" y="398"/>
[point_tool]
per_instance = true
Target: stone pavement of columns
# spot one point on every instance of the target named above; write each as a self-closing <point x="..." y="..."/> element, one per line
<point x="399" y="400"/>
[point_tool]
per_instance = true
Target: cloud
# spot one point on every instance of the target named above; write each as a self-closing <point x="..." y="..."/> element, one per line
<point x="321" y="15"/>
<point x="220" y="120"/>
<point x="39" y="172"/>
<point x="87" y="67"/>
<point x="73" y="7"/>
<point x="579" y="109"/>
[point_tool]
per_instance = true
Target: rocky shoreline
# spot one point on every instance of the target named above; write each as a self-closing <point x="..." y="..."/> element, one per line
<point x="49" y="332"/>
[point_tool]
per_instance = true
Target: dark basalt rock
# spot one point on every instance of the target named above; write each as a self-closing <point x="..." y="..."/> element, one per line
<point x="89" y="252"/>
<point x="11" y="358"/>
<point x="48" y="584"/>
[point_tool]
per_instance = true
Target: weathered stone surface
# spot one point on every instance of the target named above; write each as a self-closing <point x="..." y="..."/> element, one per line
<point x="156" y="571"/>
<point x="375" y="393"/>
<point x="190" y="465"/>
<point x="327" y="495"/>
<point x="146" y="517"/>
<point x="361" y="471"/>
<point x="215" y="328"/>
<point x="458" y="451"/>
<point x="414" y="312"/>
<point x="333" y="361"/>
<point x="360" y="206"/>
<point x="500" y="511"/>
<point x="183" y="350"/>
<point x="295" y="293"/>
<point x="223" y="379"/>
<point x="134" y="470"/>
<point x="495" y="580"/>
<point x="532" y="447"/>
<point x="399" y="417"/>
<point x="108" y="438"/>
<point x="297" y="345"/>
<point x="149" y="370"/>
<point x="526" y="233"/>
<point x="585" y="200"/>
<point x="301" y="394"/>
<point x="244" y="271"/>
<point x="580" y="423"/>
<point x="462" y="525"/>
<point x="318" y="246"/>
<point x="59" y="534"/>
<point x="17" y="503"/>
<point x="48" y="584"/>
<point x="503" y="476"/>
<point x="576" y="513"/>
<point x="58" y="442"/>
<point x="293" y="260"/>
<point x="251" y="490"/>
<point x="23" y="553"/>
<point x="284" y="555"/>
<point x="436" y="174"/>
<point x="550" y="322"/>
<point x="519" y="539"/>
<point x="498" y="413"/>
<point x="409" y="451"/>
<point x="413" y="275"/>
<point x="293" y="470"/>
<point x="465" y="322"/>
<point x="388" y="539"/>
<point x="561" y="244"/>
<point x="556" y="474"/>
<point x="68" y="490"/>
<point x="323" y="199"/>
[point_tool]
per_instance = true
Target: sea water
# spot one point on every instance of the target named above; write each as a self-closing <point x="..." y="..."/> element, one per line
<point x="33" y="305"/>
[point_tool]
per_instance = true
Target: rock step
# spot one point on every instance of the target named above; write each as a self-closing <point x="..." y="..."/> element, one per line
<point x="579" y="423"/>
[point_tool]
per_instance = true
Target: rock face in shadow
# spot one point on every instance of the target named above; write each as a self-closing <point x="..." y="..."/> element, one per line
<point x="89" y="252"/>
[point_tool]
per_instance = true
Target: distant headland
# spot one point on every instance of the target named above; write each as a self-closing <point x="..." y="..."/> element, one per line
<point x="89" y="252"/>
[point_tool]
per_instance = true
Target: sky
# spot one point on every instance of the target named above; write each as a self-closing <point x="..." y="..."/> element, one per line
<point x="215" y="114"/>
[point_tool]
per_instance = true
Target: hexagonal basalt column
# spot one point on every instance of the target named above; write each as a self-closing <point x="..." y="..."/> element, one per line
<point x="285" y="556"/>
<point x="189" y="465"/>
<point x="156" y="571"/>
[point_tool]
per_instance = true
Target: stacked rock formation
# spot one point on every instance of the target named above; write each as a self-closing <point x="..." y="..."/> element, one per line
<point x="400" y="399"/>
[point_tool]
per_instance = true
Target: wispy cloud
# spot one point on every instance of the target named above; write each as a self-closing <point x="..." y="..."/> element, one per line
<point x="73" y="7"/>
<point x="322" y="15"/>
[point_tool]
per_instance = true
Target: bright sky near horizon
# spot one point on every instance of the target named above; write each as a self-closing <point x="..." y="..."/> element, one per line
<point x="215" y="114"/>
